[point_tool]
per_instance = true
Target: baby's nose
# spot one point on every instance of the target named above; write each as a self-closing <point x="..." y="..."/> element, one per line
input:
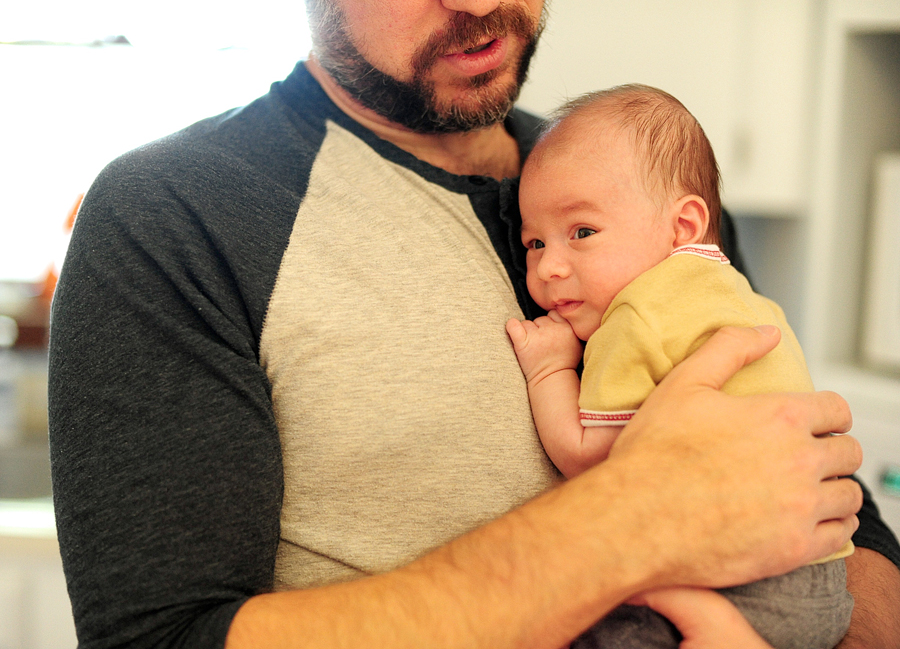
<point x="552" y="265"/>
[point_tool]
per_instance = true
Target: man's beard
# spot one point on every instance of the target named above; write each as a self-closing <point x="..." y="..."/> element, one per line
<point x="414" y="104"/>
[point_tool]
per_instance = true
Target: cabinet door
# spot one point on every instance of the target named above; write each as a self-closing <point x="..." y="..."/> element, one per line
<point x="35" y="612"/>
<point x="768" y="171"/>
<point x="741" y="66"/>
<point x="12" y="586"/>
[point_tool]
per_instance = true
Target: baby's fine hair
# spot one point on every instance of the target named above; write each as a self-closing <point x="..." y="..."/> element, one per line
<point x="676" y="155"/>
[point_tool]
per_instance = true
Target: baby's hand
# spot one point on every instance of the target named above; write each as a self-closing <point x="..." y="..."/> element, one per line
<point x="545" y="345"/>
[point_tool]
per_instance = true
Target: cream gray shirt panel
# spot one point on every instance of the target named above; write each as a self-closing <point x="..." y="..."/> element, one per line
<point x="403" y="415"/>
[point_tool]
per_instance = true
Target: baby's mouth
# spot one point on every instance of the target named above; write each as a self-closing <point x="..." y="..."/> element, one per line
<point x="565" y="307"/>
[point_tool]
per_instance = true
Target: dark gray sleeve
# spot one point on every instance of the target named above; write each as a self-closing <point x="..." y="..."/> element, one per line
<point x="167" y="475"/>
<point x="873" y="533"/>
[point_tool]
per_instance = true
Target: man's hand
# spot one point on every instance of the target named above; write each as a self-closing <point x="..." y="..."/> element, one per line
<point x="754" y="481"/>
<point x="704" y="617"/>
<point x="544" y="346"/>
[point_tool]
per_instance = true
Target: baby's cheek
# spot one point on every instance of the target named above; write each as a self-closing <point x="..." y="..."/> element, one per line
<point x="537" y="289"/>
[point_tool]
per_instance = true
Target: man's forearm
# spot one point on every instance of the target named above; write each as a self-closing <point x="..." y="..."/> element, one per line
<point x="512" y="583"/>
<point x="874" y="583"/>
<point x="702" y="489"/>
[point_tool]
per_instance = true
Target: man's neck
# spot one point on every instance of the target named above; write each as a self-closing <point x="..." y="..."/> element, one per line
<point x="490" y="151"/>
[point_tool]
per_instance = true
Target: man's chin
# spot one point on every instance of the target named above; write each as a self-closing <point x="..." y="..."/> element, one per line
<point x="467" y="115"/>
<point x="475" y="102"/>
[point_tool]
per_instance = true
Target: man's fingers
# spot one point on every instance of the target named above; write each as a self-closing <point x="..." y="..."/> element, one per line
<point x="841" y="499"/>
<point x="831" y="414"/>
<point x="705" y="618"/>
<point x="831" y="536"/>
<point x="843" y="456"/>
<point x="726" y="351"/>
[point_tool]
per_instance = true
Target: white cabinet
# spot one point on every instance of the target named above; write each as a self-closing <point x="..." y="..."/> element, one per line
<point x="858" y="119"/>
<point x="35" y="612"/>
<point x="767" y="172"/>
<point x="743" y="67"/>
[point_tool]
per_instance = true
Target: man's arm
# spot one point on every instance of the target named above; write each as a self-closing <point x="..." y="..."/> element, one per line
<point x="874" y="583"/>
<point x="166" y="458"/>
<point x="740" y="490"/>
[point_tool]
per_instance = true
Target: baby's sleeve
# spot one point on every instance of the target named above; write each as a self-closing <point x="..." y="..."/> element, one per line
<point x="623" y="362"/>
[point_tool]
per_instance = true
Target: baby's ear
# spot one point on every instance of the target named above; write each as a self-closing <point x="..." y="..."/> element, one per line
<point x="691" y="220"/>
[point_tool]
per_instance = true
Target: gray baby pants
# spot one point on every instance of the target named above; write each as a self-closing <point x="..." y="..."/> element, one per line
<point x="808" y="608"/>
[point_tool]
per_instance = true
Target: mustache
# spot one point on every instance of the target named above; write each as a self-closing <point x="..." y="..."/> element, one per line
<point x="466" y="30"/>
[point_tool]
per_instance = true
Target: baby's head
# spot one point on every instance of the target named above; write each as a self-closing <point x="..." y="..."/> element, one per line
<point x="618" y="179"/>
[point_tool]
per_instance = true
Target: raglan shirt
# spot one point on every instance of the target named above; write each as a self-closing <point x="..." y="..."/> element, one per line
<point x="278" y="360"/>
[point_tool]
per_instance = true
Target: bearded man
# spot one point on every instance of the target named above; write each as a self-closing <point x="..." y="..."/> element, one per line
<point x="284" y="411"/>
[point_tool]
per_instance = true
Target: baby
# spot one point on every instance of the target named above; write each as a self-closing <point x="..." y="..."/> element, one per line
<point x="620" y="215"/>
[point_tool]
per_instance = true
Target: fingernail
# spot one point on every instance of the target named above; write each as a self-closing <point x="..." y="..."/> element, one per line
<point x="767" y="330"/>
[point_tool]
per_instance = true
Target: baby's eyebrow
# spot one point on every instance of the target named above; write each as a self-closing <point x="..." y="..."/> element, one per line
<point x="576" y="206"/>
<point x="565" y="210"/>
<point x="581" y="205"/>
<point x="525" y="228"/>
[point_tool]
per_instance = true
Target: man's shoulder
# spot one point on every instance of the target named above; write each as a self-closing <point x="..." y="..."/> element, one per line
<point x="283" y="128"/>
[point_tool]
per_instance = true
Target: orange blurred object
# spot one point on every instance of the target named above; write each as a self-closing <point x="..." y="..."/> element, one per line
<point x="34" y="321"/>
<point x="70" y="219"/>
<point x="48" y="285"/>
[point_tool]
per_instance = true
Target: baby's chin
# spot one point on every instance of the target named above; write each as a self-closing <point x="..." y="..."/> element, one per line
<point x="584" y="332"/>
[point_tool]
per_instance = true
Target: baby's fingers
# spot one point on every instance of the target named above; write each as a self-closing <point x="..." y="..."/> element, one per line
<point x="554" y="315"/>
<point x="517" y="333"/>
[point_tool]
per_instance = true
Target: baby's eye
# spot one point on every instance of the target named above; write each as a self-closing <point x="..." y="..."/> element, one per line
<point x="581" y="233"/>
<point x="535" y="244"/>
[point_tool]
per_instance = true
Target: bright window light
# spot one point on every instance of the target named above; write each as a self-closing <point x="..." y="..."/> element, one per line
<point x="84" y="81"/>
<point x="27" y="518"/>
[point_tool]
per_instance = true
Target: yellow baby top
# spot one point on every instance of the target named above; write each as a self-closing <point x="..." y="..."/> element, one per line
<point x="666" y="314"/>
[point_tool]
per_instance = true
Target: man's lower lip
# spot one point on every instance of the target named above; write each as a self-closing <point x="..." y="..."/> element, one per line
<point x="481" y="61"/>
